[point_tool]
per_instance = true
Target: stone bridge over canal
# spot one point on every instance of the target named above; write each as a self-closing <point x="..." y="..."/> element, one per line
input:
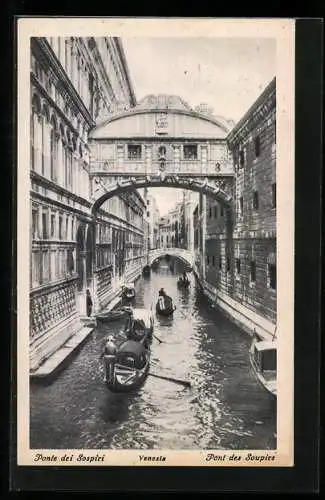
<point x="185" y="256"/>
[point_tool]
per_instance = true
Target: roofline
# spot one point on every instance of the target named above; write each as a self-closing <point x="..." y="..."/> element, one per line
<point x="135" y="111"/>
<point x="162" y="138"/>
<point x="271" y="87"/>
<point x="120" y="48"/>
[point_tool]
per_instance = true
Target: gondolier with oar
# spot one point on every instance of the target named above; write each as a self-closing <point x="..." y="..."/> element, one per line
<point x="110" y="350"/>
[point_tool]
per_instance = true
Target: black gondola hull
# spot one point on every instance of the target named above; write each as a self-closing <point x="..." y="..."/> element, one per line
<point x="120" y="376"/>
<point x="117" y="387"/>
<point x="183" y="283"/>
<point x="164" y="312"/>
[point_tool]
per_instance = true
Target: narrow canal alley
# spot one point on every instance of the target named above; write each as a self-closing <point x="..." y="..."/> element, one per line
<point x="226" y="407"/>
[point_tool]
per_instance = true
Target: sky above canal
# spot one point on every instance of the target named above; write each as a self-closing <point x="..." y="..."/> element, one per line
<point x="226" y="73"/>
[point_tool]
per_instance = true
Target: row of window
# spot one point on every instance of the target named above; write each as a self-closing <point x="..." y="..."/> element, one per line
<point x="51" y="265"/>
<point x="255" y="200"/>
<point x="121" y="209"/>
<point x="135" y="152"/>
<point x="257" y="149"/>
<point x="52" y="156"/>
<point x="52" y="225"/>
<point x="77" y="71"/>
<point x="213" y="211"/>
<point x="105" y="255"/>
<point x="271" y="269"/>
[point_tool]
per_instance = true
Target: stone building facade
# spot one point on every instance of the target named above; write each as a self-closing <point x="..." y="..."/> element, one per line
<point x="240" y="247"/>
<point x="153" y="217"/>
<point x="75" y="84"/>
<point x="171" y="228"/>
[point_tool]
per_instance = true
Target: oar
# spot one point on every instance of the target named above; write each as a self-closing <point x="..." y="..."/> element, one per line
<point x="180" y="310"/>
<point x="159" y="340"/>
<point x="186" y="383"/>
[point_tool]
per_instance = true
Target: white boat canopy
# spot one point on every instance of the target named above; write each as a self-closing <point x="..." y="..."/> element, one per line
<point x="144" y="315"/>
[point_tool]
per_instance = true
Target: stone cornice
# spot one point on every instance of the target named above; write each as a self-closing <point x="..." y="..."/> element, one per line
<point x="256" y="113"/>
<point x="64" y="192"/>
<point x="58" y="189"/>
<point x="43" y="47"/>
<point x="147" y="140"/>
<point x="125" y="70"/>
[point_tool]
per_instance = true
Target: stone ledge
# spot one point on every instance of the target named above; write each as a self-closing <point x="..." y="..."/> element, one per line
<point x="57" y="361"/>
<point x="239" y="314"/>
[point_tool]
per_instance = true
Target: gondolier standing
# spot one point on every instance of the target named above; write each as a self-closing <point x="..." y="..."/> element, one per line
<point x="110" y="350"/>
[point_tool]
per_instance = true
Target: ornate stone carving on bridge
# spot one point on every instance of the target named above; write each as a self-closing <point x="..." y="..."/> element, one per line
<point x="103" y="187"/>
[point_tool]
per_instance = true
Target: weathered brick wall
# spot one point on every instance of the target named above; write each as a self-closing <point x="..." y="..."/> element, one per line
<point x="258" y="295"/>
<point x="219" y="267"/>
<point x="252" y="238"/>
<point x="256" y="174"/>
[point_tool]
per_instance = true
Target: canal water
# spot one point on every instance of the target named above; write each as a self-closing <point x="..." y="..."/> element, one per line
<point x="226" y="407"/>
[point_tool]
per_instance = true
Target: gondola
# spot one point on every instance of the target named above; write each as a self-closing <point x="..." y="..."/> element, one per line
<point x="165" y="306"/>
<point x="183" y="283"/>
<point x="263" y="356"/>
<point x="108" y="316"/>
<point x="127" y="366"/>
<point x="146" y="271"/>
<point x="128" y="292"/>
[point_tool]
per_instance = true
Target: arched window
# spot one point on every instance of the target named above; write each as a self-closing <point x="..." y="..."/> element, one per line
<point x="53" y="151"/>
<point x="64" y="156"/>
<point x="46" y="151"/>
<point x="36" y="135"/>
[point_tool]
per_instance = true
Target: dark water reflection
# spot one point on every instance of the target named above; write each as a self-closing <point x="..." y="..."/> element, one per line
<point x="226" y="408"/>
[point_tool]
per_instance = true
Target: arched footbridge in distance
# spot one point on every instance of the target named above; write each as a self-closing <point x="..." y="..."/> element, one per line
<point x="186" y="256"/>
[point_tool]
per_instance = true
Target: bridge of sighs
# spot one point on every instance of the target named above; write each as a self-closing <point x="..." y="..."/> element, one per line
<point x="161" y="142"/>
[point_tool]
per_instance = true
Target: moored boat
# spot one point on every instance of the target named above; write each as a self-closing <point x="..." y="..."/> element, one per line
<point x="146" y="271"/>
<point x="107" y="316"/>
<point x="127" y="366"/>
<point x="128" y="292"/>
<point x="263" y="359"/>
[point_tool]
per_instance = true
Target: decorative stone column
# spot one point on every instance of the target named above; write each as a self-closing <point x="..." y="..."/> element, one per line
<point x="177" y="157"/>
<point x="82" y="294"/>
<point x="148" y="158"/>
<point x="93" y="286"/>
<point x="204" y="158"/>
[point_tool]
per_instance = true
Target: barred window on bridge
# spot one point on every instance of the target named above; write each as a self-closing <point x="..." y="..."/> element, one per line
<point x="134" y="152"/>
<point x="190" y="152"/>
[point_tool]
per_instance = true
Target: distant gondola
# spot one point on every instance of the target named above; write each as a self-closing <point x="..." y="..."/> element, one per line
<point x="146" y="271"/>
<point x="164" y="305"/>
<point x="127" y="366"/>
<point x="183" y="283"/>
<point x="128" y="292"/>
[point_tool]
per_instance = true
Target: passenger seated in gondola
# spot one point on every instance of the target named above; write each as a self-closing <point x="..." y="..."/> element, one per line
<point x="134" y="328"/>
